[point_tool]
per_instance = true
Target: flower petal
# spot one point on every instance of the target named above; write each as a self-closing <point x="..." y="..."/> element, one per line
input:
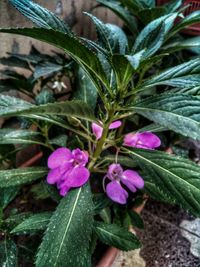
<point x="146" y="140"/>
<point x="64" y="190"/>
<point x="59" y="157"/>
<point x="77" y="177"/>
<point x="97" y="130"/>
<point x="116" y="192"/>
<point x="132" y="180"/>
<point x="115" y="171"/>
<point x="115" y="125"/>
<point x="54" y="176"/>
<point x="80" y="157"/>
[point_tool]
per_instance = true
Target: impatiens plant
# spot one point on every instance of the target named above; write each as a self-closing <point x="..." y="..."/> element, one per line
<point x="121" y="108"/>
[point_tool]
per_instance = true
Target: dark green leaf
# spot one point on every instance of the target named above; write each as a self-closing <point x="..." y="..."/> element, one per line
<point x="125" y="161"/>
<point x="188" y="71"/>
<point x="195" y="90"/>
<point x="176" y="178"/>
<point x="19" y="83"/>
<point x="85" y="90"/>
<point x="123" y="70"/>
<point x="136" y="219"/>
<point x="101" y="201"/>
<point x="182" y="44"/>
<point x="66" y="241"/>
<point x="34" y="223"/>
<point x="60" y="140"/>
<point x="13" y="61"/>
<point x="156" y="128"/>
<point x="44" y="97"/>
<point x="105" y="215"/>
<point x="11" y="106"/>
<point x="124" y="14"/>
<point x="110" y="36"/>
<point x="11" y="136"/>
<point x="71" y="45"/>
<point x="13" y="220"/>
<point x="7" y="195"/>
<point x="136" y="59"/>
<point x="39" y="15"/>
<point x="137" y="5"/>
<point x="173" y="5"/>
<point x="8" y="253"/>
<point x="149" y="14"/>
<point x="15" y="177"/>
<point x="46" y="69"/>
<point x="152" y="36"/>
<point x="192" y="18"/>
<point x="178" y="112"/>
<point x="116" y="236"/>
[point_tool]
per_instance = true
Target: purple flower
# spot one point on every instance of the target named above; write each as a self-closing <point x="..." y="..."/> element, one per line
<point x="98" y="130"/>
<point x="67" y="169"/>
<point x="129" y="178"/>
<point x="144" y="140"/>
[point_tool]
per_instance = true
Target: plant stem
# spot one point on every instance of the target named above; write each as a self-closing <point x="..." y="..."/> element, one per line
<point x="101" y="141"/>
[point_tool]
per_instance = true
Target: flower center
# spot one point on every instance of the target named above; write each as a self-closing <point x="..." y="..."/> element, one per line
<point x="76" y="163"/>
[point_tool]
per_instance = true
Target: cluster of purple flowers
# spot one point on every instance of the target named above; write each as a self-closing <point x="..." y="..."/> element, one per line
<point x="68" y="168"/>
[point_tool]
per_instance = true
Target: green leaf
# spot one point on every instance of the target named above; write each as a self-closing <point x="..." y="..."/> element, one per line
<point x="13" y="61"/>
<point x="15" y="177"/>
<point x="8" y="253"/>
<point x="7" y="195"/>
<point x="176" y="76"/>
<point x="178" y="112"/>
<point x="175" y="177"/>
<point x="16" y="83"/>
<point x="105" y="215"/>
<point x="193" y="18"/>
<point x="137" y="5"/>
<point x="85" y="90"/>
<point x="173" y="5"/>
<point x="10" y="136"/>
<point x="184" y="82"/>
<point x="110" y="36"/>
<point x="40" y="16"/>
<point x="72" y="46"/>
<point x="13" y="220"/>
<point x="149" y="14"/>
<point x="44" y="97"/>
<point x="101" y="201"/>
<point x="152" y="190"/>
<point x="182" y="44"/>
<point x="136" y="219"/>
<point x="116" y="236"/>
<point x="11" y="106"/>
<point x="194" y="90"/>
<point x="124" y="14"/>
<point x="60" y="140"/>
<point x="66" y="241"/>
<point x="154" y="127"/>
<point x="34" y="223"/>
<point x="123" y="70"/>
<point x="46" y="68"/>
<point x="152" y="36"/>
<point x="123" y="160"/>
<point x="136" y="59"/>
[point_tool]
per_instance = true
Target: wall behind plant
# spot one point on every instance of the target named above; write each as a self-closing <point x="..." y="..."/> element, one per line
<point x="69" y="10"/>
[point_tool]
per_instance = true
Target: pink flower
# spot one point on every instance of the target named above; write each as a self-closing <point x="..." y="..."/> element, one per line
<point x="144" y="140"/>
<point x="67" y="169"/>
<point x="98" y="130"/>
<point x="129" y="178"/>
